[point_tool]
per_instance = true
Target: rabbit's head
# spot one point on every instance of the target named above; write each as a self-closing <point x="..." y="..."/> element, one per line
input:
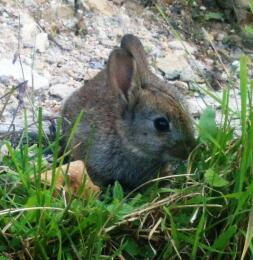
<point x="154" y="122"/>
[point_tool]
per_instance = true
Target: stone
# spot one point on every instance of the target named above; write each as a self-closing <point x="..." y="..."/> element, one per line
<point x="64" y="11"/>
<point x="42" y="42"/>
<point x="60" y="90"/>
<point x="182" y="87"/>
<point x="8" y="69"/>
<point x="176" y="66"/>
<point x="243" y="3"/>
<point x="3" y="151"/>
<point x="19" y="124"/>
<point x="235" y="65"/>
<point x="101" y="6"/>
<point x="220" y="36"/>
<point x="29" y="29"/>
<point x="196" y="105"/>
<point x="181" y="45"/>
<point x="187" y="74"/>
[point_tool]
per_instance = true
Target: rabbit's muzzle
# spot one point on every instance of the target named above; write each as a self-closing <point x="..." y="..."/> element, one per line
<point x="182" y="150"/>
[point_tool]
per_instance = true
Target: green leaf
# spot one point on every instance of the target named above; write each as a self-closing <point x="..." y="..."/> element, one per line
<point x="251" y="6"/>
<point x="221" y="242"/>
<point x="132" y="248"/>
<point x="198" y="236"/>
<point x="207" y="125"/>
<point x="214" y="16"/>
<point x="213" y="179"/>
<point x="118" y="193"/>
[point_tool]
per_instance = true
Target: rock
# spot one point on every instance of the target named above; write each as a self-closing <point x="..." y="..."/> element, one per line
<point x="8" y="69"/>
<point x="175" y="66"/>
<point x="64" y="11"/>
<point x="101" y="6"/>
<point x="42" y="42"/>
<point x="182" y="87"/>
<point x="29" y="29"/>
<point x="171" y="65"/>
<point x="235" y="66"/>
<point x="90" y="73"/>
<point x="187" y="74"/>
<point x="220" y="36"/>
<point x="31" y="34"/>
<point x="3" y="152"/>
<point x="19" y="124"/>
<point x="196" y="105"/>
<point x="243" y="3"/>
<point x="182" y="45"/>
<point x="61" y="90"/>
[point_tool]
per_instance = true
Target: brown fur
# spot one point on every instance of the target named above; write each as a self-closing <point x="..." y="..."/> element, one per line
<point x="117" y="136"/>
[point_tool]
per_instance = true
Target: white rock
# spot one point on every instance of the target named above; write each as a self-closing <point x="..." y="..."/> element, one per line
<point x="19" y="125"/>
<point x="42" y="42"/>
<point x="236" y="65"/>
<point x="171" y="65"/>
<point x="181" y="45"/>
<point x="31" y="34"/>
<point x="61" y="90"/>
<point x="182" y="86"/>
<point x="3" y="151"/>
<point x="64" y="11"/>
<point x="196" y="106"/>
<point x="8" y="69"/>
<point x="29" y="2"/>
<point x="101" y="6"/>
<point x="175" y="65"/>
<point x="187" y="74"/>
<point x="29" y="29"/>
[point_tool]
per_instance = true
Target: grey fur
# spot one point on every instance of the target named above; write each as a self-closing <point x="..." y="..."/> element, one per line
<point x="120" y="104"/>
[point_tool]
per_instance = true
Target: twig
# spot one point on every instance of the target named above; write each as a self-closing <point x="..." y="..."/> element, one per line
<point x="20" y="97"/>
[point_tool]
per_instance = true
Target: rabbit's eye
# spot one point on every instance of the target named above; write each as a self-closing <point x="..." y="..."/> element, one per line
<point x="162" y="124"/>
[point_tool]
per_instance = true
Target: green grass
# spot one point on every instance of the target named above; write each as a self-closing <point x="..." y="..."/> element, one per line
<point x="204" y="212"/>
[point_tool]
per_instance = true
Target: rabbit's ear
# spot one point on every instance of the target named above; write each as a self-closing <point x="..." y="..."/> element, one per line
<point x="133" y="45"/>
<point x="123" y="76"/>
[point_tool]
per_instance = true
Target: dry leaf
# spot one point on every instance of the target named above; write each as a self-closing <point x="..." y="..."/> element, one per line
<point x="77" y="178"/>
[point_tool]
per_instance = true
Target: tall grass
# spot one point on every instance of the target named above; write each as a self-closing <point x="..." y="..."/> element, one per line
<point x="205" y="211"/>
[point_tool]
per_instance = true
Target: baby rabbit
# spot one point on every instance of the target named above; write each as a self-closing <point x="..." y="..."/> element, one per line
<point x="133" y="124"/>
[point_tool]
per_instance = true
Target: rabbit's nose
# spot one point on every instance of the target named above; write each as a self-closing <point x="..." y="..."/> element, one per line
<point x="182" y="149"/>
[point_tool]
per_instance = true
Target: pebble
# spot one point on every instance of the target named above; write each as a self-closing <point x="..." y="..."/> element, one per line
<point x="29" y="29"/>
<point x="181" y="45"/>
<point x="176" y="66"/>
<point x="101" y="6"/>
<point x="236" y="65"/>
<point x="42" y="42"/>
<point x="60" y="90"/>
